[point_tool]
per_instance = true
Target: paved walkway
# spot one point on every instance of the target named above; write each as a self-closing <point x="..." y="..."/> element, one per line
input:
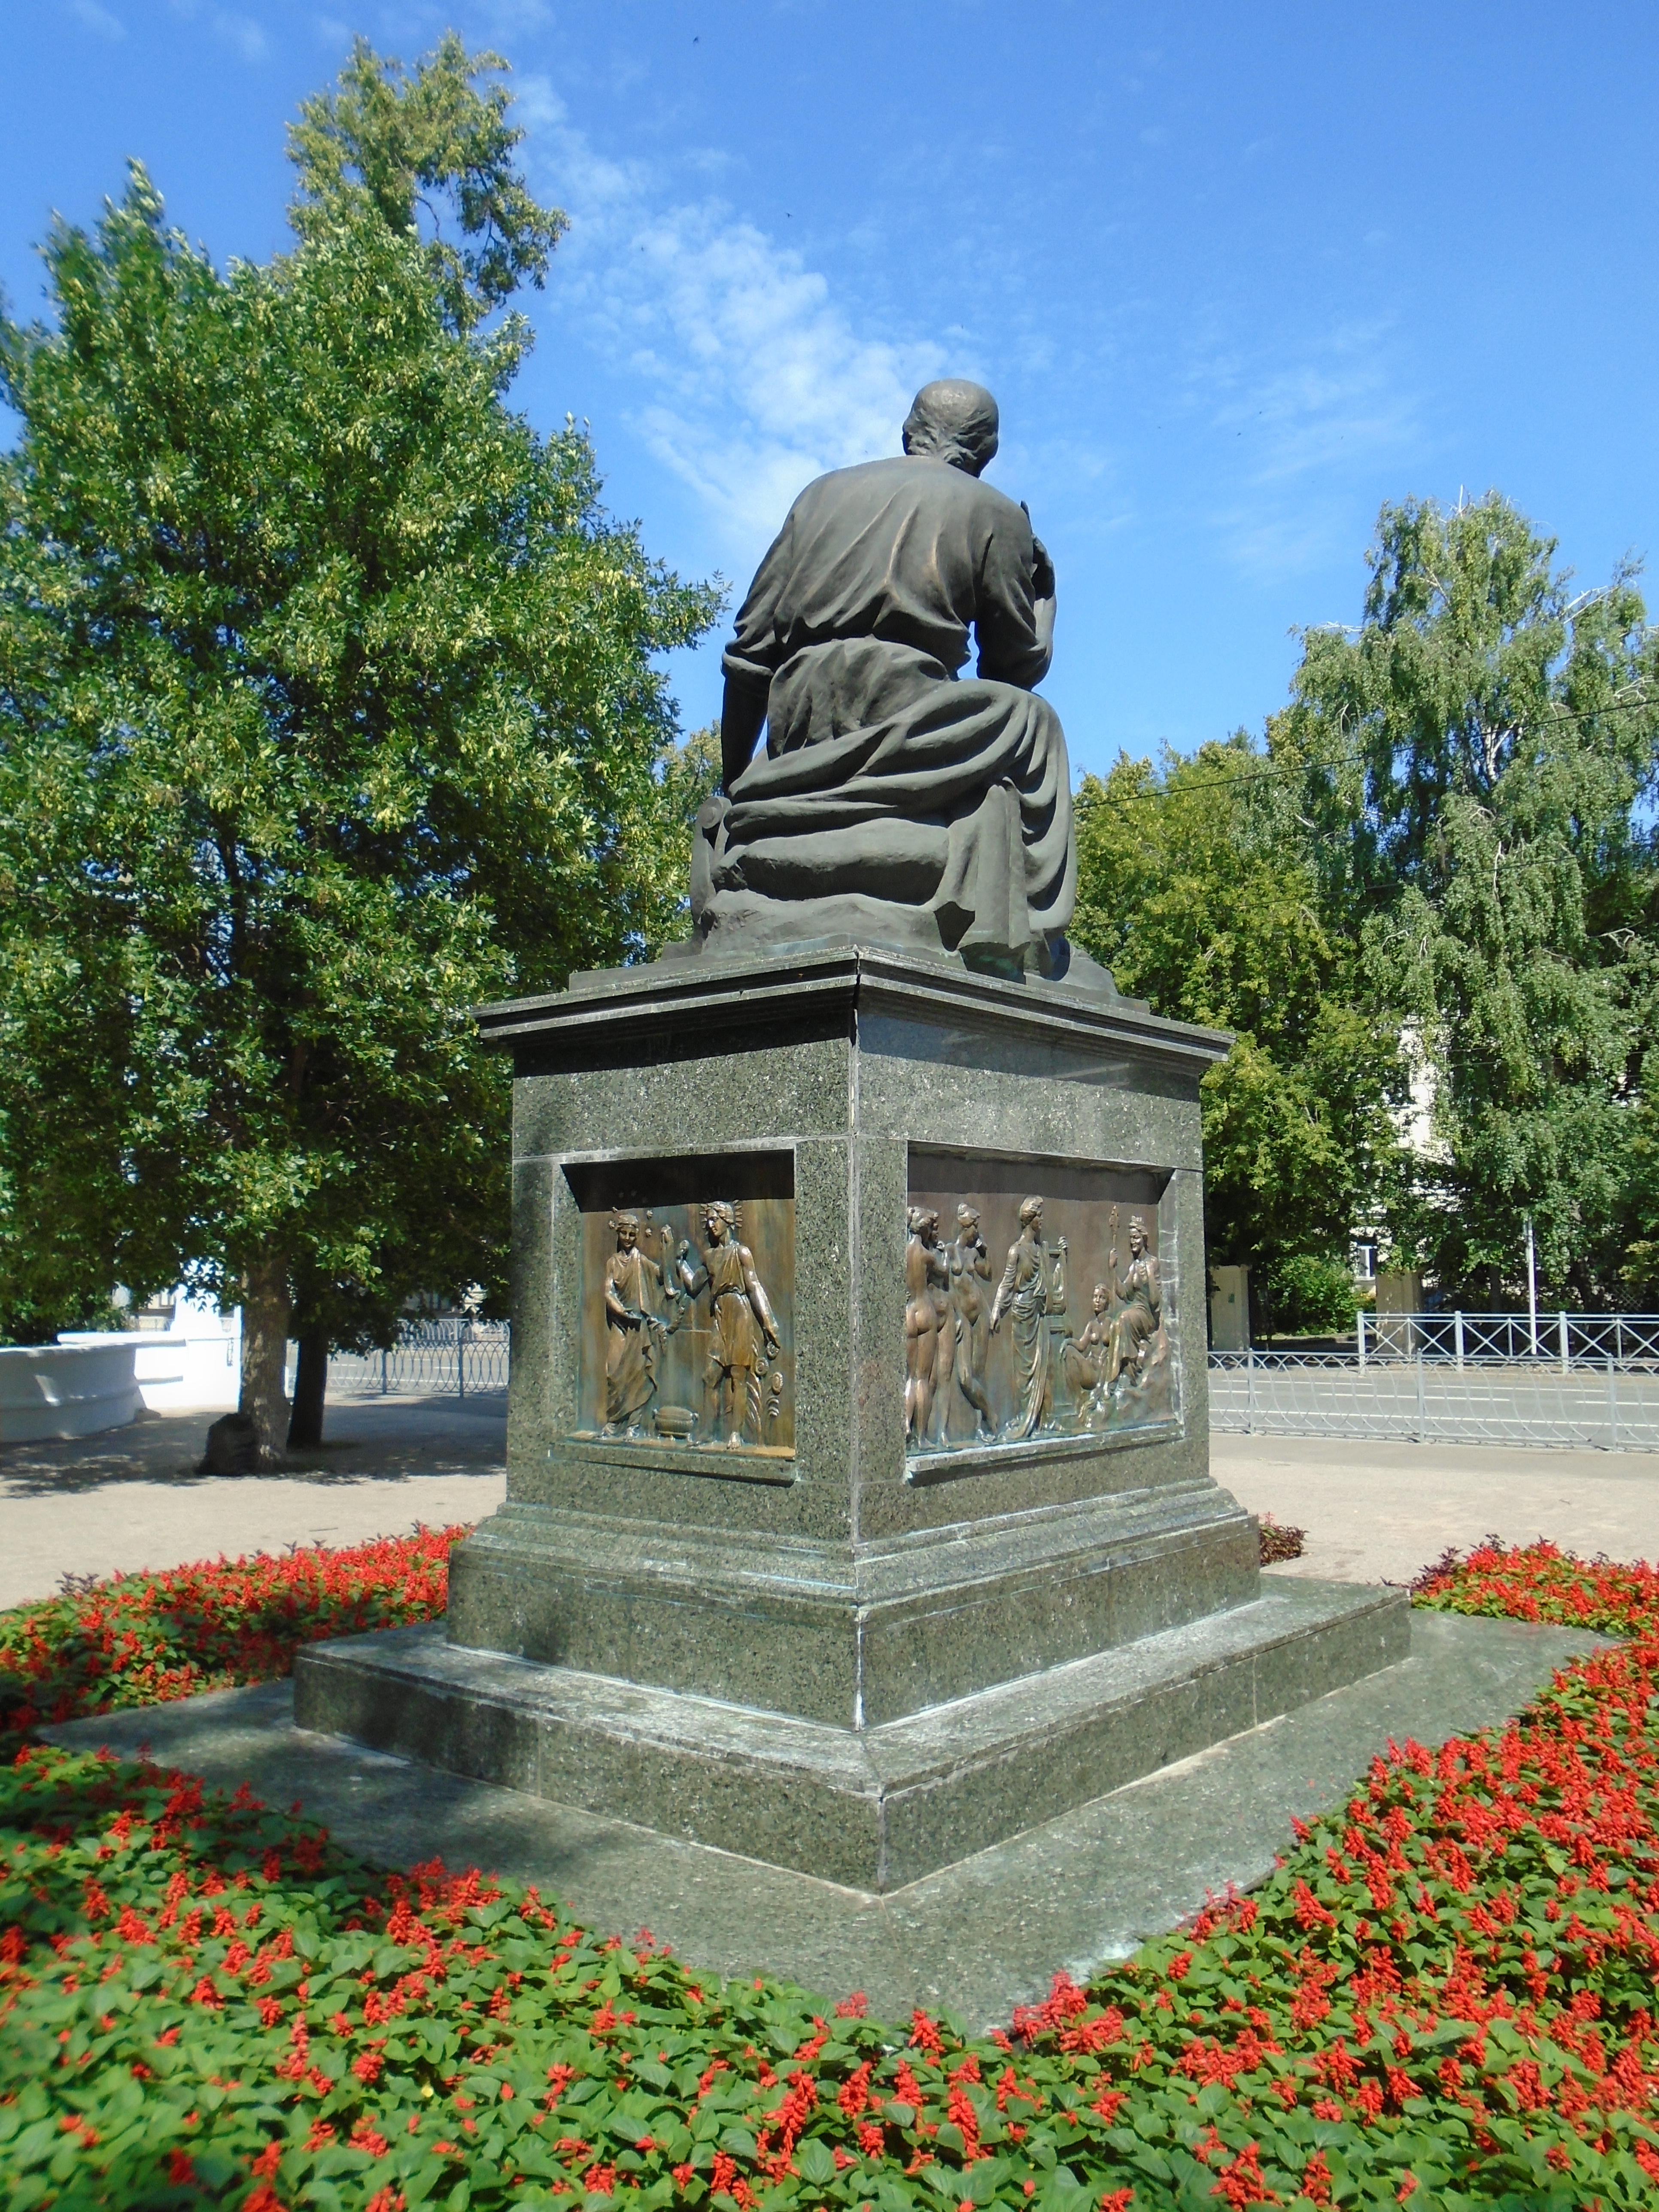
<point x="1373" y="1511"/>
<point x="1377" y="1511"/>
<point x="132" y="1498"/>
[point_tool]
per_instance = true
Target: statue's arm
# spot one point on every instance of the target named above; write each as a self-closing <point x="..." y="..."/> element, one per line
<point x="757" y="1298"/>
<point x="754" y="653"/>
<point x="1006" y="1287"/>
<point x="1015" y="619"/>
<point x="742" y="715"/>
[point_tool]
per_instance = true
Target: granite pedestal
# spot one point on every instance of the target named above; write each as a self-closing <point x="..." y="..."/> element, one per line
<point x="858" y="1514"/>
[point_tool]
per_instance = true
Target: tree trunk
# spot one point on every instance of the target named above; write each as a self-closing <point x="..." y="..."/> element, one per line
<point x="304" y="1427"/>
<point x="266" y="1307"/>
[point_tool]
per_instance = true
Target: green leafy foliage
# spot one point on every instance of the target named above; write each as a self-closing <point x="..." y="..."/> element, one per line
<point x="1199" y="886"/>
<point x="1494" y="738"/>
<point x="1430" y="909"/>
<point x="1444" y="1991"/>
<point x="1305" y="1295"/>
<point x="426" y="146"/>
<point x="327" y="708"/>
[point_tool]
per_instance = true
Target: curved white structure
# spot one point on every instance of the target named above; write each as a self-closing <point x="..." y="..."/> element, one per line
<point x="71" y="1389"/>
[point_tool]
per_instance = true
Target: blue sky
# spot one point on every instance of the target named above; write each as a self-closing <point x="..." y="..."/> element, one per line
<point x="1235" y="276"/>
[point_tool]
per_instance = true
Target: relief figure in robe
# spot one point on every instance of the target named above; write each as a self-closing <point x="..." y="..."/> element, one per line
<point x="969" y="1265"/>
<point x="1033" y="1286"/>
<point x="743" y="1331"/>
<point x="1139" y="1343"/>
<point x="634" y="1289"/>
<point x="895" y="799"/>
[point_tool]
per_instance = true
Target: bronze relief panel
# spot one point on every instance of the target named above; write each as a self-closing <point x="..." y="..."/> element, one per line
<point x="1035" y="1305"/>
<point x="687" y="1301"/>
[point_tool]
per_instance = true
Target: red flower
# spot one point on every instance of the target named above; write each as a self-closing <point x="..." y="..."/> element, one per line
<point x="1241" y="2181"/>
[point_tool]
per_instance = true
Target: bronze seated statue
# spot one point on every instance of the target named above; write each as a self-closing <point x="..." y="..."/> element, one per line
<point x="895" y="800"/>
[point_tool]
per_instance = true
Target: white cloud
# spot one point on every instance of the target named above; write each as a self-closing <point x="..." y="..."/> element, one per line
<point x="753" y="378"/>
<point x="1340" y="404"/>
<point x="97" y="19"/>
<point x="242" y="33"/>
<point x="1302" y="435"/>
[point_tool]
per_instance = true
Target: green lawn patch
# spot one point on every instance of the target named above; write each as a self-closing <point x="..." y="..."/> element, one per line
<point x="1446" y="1988"/>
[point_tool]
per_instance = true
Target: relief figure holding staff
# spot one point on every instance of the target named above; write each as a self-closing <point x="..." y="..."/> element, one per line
<point x="1138" y="1344"/>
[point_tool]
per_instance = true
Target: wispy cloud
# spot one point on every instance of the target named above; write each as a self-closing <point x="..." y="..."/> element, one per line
<point x="98" y="19"/>
<point x="242" y="34"/>
<point x="753" y="379"/>
<point x="1295" y="436"/>
<point x="1339" y="404"/>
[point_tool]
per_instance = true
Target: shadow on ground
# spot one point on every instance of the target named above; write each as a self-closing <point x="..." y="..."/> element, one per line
<point x="383" y="1438"/>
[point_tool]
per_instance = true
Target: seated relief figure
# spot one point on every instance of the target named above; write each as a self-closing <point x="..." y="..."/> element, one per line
<point x="896" y="801"/>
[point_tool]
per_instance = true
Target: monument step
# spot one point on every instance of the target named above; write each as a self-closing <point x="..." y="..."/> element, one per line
<point x="872" y="1808"/>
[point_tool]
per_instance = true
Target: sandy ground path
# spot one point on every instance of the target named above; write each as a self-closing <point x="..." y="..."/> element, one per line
<point x="1377" y="1511"/>
<point x="1372" y="1511"/>
<point x="131" y="1498"/>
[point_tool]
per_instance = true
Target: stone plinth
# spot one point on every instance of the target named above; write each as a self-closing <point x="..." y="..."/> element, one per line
<point x="800" y="1554"/>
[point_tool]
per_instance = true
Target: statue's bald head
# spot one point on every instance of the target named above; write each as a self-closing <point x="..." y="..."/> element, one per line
<point x="953" y="421"/>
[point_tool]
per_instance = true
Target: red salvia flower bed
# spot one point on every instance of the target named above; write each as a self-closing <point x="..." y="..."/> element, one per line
<point x="1446" y="1993"/>
<point x="144" y="1639"/>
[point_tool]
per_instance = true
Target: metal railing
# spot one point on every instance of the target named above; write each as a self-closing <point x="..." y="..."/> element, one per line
<point x="1453" y="1377"/>
<point x="1564" y="1340"/>
<point x="452" y="1357"/>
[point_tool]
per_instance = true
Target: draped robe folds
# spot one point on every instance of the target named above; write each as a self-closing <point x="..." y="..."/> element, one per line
<point x="890" y="791"/>
<point x="1025" y="1296"/>
<point x="631" y="1344"/>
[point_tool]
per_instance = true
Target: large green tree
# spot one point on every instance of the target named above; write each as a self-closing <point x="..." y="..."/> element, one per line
<point x="1491" y="736"/>
<point x="1200" y="883"/>
<point x="327" y="707"/>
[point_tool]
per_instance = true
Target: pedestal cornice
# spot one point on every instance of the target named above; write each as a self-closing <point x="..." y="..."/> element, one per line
<point x="828" y="988"/>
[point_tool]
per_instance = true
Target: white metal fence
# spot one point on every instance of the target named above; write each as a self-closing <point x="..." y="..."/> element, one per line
<point x="1446" y="1378"/>
<point x="1592" y="1380"/>
<point x="1564" y="1340"/>
<point x="451" y="1358"/>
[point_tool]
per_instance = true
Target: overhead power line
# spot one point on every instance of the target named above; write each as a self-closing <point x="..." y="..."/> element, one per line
<point x="1342" y="760"/>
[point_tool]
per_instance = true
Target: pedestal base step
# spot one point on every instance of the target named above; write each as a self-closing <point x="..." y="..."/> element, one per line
<point x="873" y="1809"/>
